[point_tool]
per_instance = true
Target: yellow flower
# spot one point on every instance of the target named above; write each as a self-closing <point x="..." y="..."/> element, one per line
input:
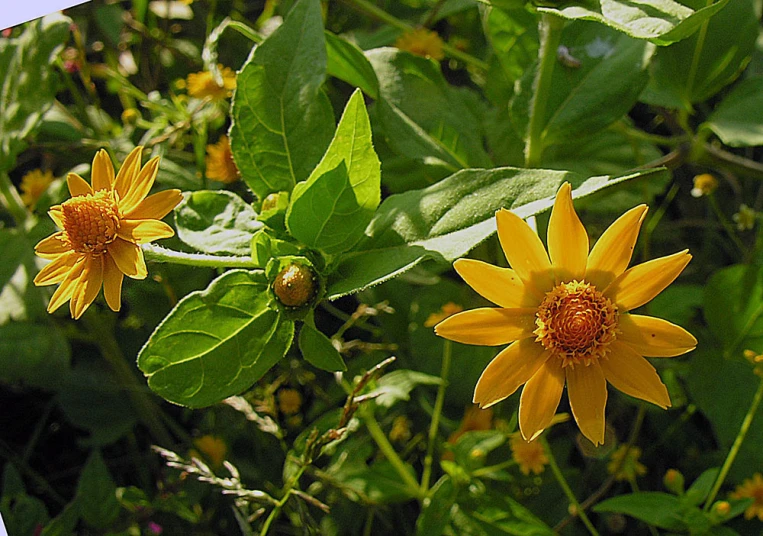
<point x="289" y="401"/>
<point x="401" y="429"/>
<point x="203" y="84"/>
<point x="102" y="228"/>
<point x="213" y="448"/>
<point x="625" y="461"/>
<point x="751" y="488"/>
<point x="421" y="42"/>
<point x="33" y="185"/>
<point x="529" y="455"/>
<point x="745" y="218"/>
<point x="566" y="318"/>
<point x="220" y="164"/>
<point x="445" y="311"/>
<point x="704" y="184"/>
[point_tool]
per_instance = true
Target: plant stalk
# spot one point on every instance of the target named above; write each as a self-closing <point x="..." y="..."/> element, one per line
<point x="447" y="352"/>
<point x="11" y="200"/>
<point x="159" y="254"/>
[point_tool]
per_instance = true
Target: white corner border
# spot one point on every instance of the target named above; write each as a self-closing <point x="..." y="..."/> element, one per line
<point x="20" y="12"/>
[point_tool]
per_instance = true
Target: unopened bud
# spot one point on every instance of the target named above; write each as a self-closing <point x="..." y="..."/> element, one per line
<point x="722" y="508"/>
<point x="674" y="481"/>
<point x="295" y="285"/>
<point x="271" y="201"/>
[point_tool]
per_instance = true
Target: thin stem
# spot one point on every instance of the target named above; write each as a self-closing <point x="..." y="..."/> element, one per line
<point x="279" y="505"/>
<point x="567" y="490"/>
<point x="717" y="157"/>
<point x="550" y="29"/>
<point x="10" y="198"/>
<point x="159" y="254"/>
<point x="447" y="352"/>
<point x="726" y="224"/>
<point x="735" y="447"/>
<point x="637" y="134"/>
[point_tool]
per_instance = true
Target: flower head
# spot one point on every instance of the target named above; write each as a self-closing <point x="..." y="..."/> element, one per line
<point x="33" y="185"/>
<point x="203" y="84"/>
<point x="421" y="42"/>
<point x="102" y="227"/>
<point x="751" y="488"/>
<point x="529" y="455"/>
<point x="213" y="448"/>
<point x="289" y="401"/>
<point x="220" y="164"/>
<point x="624" y="463"/>
<point x="565" y="316"/>
<point x="745" y="218"/>
<point x="445" y="311"/>
<point x="704" y="184"/>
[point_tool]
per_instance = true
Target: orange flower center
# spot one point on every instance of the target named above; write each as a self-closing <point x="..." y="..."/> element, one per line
<point x="91" y="221"/>
<point x="576" y="323"/>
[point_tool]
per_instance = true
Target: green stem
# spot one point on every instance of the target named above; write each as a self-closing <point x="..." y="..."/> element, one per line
<point x="11" y="200"/>
<point x="279" y="505"/>
<point x="389" y="451"/>
<point x="159" y="254"/>
<point x="637" y="134"/>
<point x="447" y="352"/>
<point x="726" y="224"/>
<point x="579" y="512"/>
<point x="550" y="29"/>
<point x="735" y="447"/>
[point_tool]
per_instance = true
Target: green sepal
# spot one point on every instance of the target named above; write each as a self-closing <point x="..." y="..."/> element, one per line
<point x="317" y="349"/>
<point x="274" y="266"/>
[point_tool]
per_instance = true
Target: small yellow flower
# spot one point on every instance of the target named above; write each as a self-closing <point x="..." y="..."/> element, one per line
<point x="421" y="42"/>
<point x="745" y="218"/>
<point x="704" y="184"/>
<point x="102" y="227"/>
<point x="445" y="311"/>
<point x="213" y="448"/>
<point x="625" y="461"/>
<point x="220" y="164"/>
<point x="289" y="401"/>
<point x="566" y="319"/>
<point x="203" y="84"/>
<point x="401" y="429"/>
<point x="33" y="185"/>
<point x="751" y="488"/>
<point x="529" y="455"/>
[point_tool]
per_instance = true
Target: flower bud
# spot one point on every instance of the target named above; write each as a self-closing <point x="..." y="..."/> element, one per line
<point x="295" y="285"/>
<point x="271" y="201"/>
<point x="674" y="481"/>
<point x="721" y="508"/>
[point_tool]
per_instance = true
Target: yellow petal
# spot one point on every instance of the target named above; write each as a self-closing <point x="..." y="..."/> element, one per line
<point x="142" y="231"/>
<point x="52" y="245"/>
<point x="488" y="326"/>
<point x="64" y="292"/>
<point x="56" y="215"/>
<point x="56" y="270"/>
<point x="567" y="238"/>
<point x="501" y="286"/>
<point x="112" y="283"/>
<point x="654" y="337"/>
<point x="524" y="251"/>
<point x="128" y="172"/>
<point x="633" y="375"/>
<point x="587" y="389"/>
<point x="102" y="175"/>
<point x="611" y="254"/>
<point x="87" y="287"/>
<point x="140" y="186"/>
<point x="540" y="398"/>
<point x="640" y="284"/>
<point x="77" y="185"/>
<point x="508" y="370"/>
<point x="157" y="206"/>
<point x="129" y="258"/>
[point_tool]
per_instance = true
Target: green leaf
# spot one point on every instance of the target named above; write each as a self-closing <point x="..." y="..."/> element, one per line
<point x="216" y="342"/>
<point x="698" y="67"/>
<point x="514" y="37"/>
<point x="655" y="508"/>
<point x="660" y="21"/>
<point x="29" y="85"/>
<point x="216" y="222"/>
<point x="435" y="512"/>
<point x="332" y="208"/>
<point x="34" y="354"/>
<point x="700" y="488"/>
<point x="735" y="120"/>
<point x="282" y="121"/>
<point x="317" y="349"/>
<point x="347" y="62"/>
<point x="446" y="220"/>
<point x="65" y="523"/>
<point x="398" y="384"/>
<point x="473" y="446"/>
<point x="380" y="483"/>
<point x="495" y="514"/>
<point x="97" y="493"/>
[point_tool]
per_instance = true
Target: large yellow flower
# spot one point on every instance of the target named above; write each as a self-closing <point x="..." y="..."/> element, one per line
<point x="565" y="316"/>
<point x="102" y="228"/>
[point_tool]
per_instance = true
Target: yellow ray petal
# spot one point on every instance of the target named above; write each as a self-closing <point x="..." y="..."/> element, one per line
<point x="540" y="398"/>
<point x="129" y="258"/>
<point x="488" y="326"/>
<point x="102" y="175"/>
<point x="157" y="206"/>
<point x="140" y="185"/>
<point x="567" y="238"/>
<point x="87" y="286"/>
<point x="524" y="251"/>
<point x="77" y="185"/>
<point x="654" y="337"/>
<point x="611" y="254"/>
<point x="638" y="285"/>
<point x="501" y="286"/>
<point x="587" y="389"/>
<point x="127" y="173"/>
<point x="508" y="370"/>
<point x="112" y="283"/>
<point x="52" y="245"/>
<point x="143" y="231"/>
<point x="56" y="270"/>
<point x="57" y="216"/>
<point x="633" y="375"/>
<point x="64" y="292"/>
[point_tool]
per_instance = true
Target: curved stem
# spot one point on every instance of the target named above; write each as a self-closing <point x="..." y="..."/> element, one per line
<point x="9" y="197"/>
<point x="159" y="254"/>
<point x="550" y="29"/>
<point x="735" y="447"/>
<point x="435" y="424"/>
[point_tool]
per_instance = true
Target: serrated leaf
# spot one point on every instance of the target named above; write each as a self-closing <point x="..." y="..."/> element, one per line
<point x="317" y="349"/>
<point x="216" y="222"/>
<point x="347" y="62"/>
<point x="655" y="508"/>
<point x="217" y="342"/>
<point x="736" y="119"/>
<point x="282" y="121"/>
<point x="660" y="21"/>
<point x="446" y="220"/>
<point x="96" y="493"/>
<point x="332" y="208"/>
